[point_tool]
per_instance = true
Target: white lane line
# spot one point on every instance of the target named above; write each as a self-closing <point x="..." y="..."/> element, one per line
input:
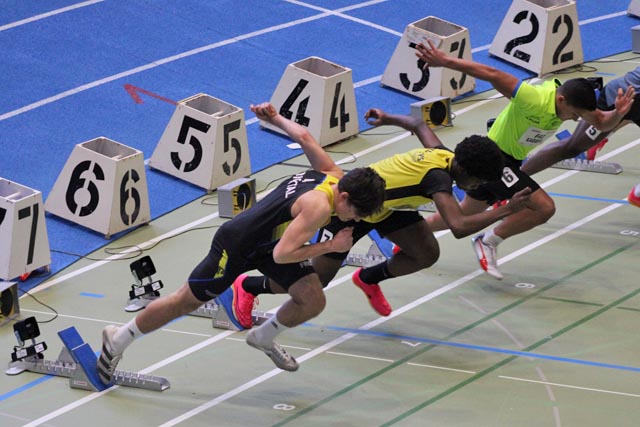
<point x="358" y="356"/>
<point x="155" y="64"/>
<point x="521" y="346"/>
<point x="598" y="390"/>
<point x="319" y="350"/>
<point x="350" y="18"/>
<point x="212" y="46"/>
<point x="169" y="59"/>
<point x="48" y="14"/>
<point x="602" y="18"/>
<point x="55" y="281"/>
<point x="370" y="325"/>
<point x="441" y="368"/>
<point x="122" y="254"/>
<point x="110" y="322"/>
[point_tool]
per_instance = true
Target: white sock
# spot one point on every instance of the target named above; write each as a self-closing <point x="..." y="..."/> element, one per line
<point x="126" y="334"/>
<point x="636" y="190"/>
<point x="268" y="331"/>
<point x="491" y="238"/>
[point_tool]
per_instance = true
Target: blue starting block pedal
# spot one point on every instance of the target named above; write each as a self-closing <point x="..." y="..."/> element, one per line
<point x="85" y="359"/>
<point x="220" y="311"/>
<point x="380" y="250"/>
<point x="77" y="361"/>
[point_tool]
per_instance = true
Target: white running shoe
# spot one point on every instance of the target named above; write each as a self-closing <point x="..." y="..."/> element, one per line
<point x="487" y="256"/>
<point x="277" y="354"/>
<point x="109" y="358"/>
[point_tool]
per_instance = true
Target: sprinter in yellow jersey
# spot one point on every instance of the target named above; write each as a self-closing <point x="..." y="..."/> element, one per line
<point x="271" y="237"/>
<point x="412" y="179"/>
<point x="533" y="114"/>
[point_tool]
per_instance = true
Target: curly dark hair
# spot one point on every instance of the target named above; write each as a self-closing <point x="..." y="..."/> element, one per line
<point x="366" y="190"/>
<point x="579" y="93"/>
<point x="480" y="157"/>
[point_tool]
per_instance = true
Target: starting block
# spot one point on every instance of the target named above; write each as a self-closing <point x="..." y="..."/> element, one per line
<point x="77" y="361"/>
<point x="579" y="164"/>
<point x="218" y="311"/>
<point x="380" y="250"/>
<point x="141" y="293"/>
<point x="585" y="161"/>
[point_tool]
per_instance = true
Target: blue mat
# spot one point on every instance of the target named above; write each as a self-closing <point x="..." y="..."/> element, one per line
<point x="64" y="75"/>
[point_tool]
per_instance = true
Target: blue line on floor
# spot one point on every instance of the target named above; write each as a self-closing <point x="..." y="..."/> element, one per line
<point x="25" y="387"/>
<point x="597" y="199"/>
<point x="479" y="348"/>
<point x="89" y="294"/>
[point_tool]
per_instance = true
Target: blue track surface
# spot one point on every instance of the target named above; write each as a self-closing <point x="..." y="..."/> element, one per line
<point x="64" y="75"/>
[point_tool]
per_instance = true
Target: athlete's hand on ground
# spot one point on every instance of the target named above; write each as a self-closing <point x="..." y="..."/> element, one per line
<point x="433" y="56"/>
<point x="265" y="111"/>
<point x="519" y="200"/>
<point x="375" y="117"/>
<point x="624" y="100"/>
<point x="343" y="240"/>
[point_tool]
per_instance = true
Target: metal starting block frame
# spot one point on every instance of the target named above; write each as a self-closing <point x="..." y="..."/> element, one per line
<point x="141" y="296"/>
<point x="589" y="166"/>
<point x="220" y="318"/>
<point x="380" y="250"/>
<point x="77" y="361"/>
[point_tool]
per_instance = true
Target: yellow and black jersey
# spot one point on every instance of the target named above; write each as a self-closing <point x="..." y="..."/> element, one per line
<point x="412" y="177"/>
<point x="260" y="227"/>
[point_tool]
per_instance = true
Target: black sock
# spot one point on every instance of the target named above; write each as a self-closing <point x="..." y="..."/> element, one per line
<point x="256" y="285"/>
<point x="375" y="274"/>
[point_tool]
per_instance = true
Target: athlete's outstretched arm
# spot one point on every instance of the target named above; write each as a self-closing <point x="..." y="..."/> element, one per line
<point x="503" y="82"/>
<point x="428" y="139"/>
<point x="319" y="159"/>
<point x="608" y="120"/>
<point x="462" y="225"/>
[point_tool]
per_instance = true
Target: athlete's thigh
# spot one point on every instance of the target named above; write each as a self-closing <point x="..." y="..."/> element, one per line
<point x="284" y="275"/>
<point x="216" y="272"/>
<point x="415" y="239"/>
<point x="326" y="267"/>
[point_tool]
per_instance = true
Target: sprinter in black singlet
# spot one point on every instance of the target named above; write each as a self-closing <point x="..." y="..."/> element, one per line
<point x="272" y="237"/>
<point x="412" y="179"/>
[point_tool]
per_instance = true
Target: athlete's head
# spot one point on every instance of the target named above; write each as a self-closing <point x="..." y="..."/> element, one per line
<point x="364" y="190"/>
<point x="480" y="160"/>
<point x="575" y="98"/>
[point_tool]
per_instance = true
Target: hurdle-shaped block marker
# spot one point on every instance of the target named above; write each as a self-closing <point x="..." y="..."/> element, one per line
<point x="24" y="244"/>
<point x="204" y="143"/>
<point x="103" y="186"/>
<point x="542" y="36"/>
<point x="318" y="95"/>
<point x="406" y="73"/>
<point x="634" y="8"/>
